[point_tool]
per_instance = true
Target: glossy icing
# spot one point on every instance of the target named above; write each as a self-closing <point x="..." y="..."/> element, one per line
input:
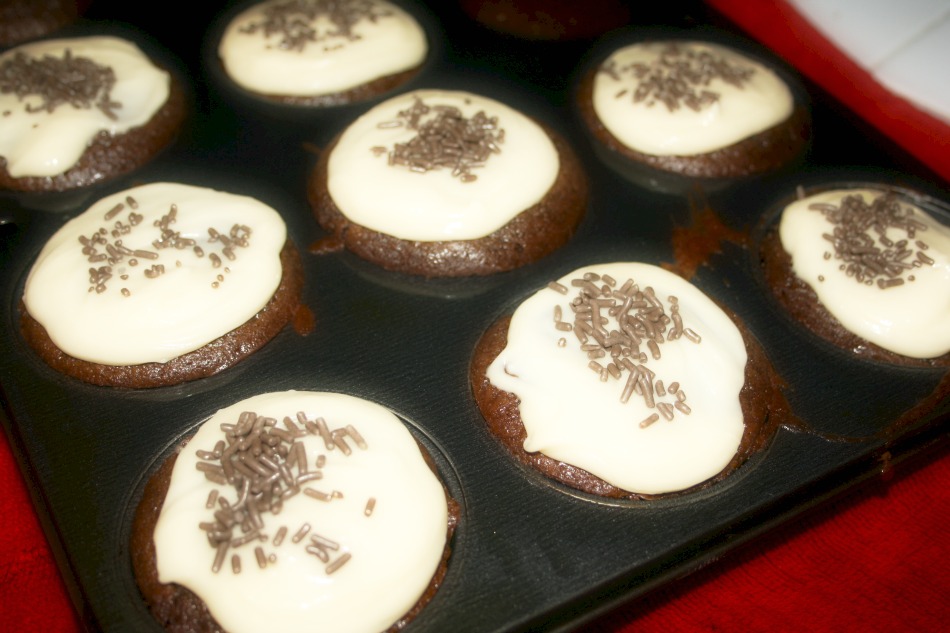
<point x="394" y="551"/>
<point x="46" y="143"/>
<point x="437" y="205"/>
<point x="392" y="42"/>
<point x="573" y="416"/>
<point x="759" y="101"/>
<point x="192" y="303"/>
<point x="912" y="319"/>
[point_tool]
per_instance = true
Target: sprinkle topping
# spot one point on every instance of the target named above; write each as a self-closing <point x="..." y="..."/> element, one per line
<point x="445" y="139"/>
<point x="77" y="81"/>
<point x="620" y="329"/>
<point x="265" y="464"/>
<point x="679" y="77"/>
<point x="294" y="21"/>
<point x="861" y="242"/>
<point x="106" y="247"/>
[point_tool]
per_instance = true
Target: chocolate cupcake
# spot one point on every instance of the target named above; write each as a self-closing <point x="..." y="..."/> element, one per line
<point x="318" y="53"/>
<point x="693" y="109"/>
<point x="866" y="269"/>
<point x="82" y="111"/>
<point x="161" y="284"/>
<point x="336" y="521"/>
<point x="433" y="183"/>
<point x="625" y="381"/>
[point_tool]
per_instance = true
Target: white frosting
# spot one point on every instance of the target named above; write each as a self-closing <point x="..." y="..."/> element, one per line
<point x="763" y="101"/>
<point x="435" y="205"/>
<point x="392" y="43"/>
<point x="394" y="551"/>
<point x="574" y="417"/>
<point x="173" y="313"/>
<point x="49" y="143"/>
<point x="912" y="319"/>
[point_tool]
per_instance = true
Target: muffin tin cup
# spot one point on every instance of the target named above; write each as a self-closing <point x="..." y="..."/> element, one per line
<point x="529" y="554"/>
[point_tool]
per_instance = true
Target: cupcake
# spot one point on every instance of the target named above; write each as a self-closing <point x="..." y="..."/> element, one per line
<point x="866" y="269"/>
<point x="294" y="511"/>
<point x="80" y="111"/>
<point x="693" y="109"/>
<point x="623" y="380"/>
<point x="434" y="183"/>
<point x="320" y="53"/>
<point x="161" y="284"/>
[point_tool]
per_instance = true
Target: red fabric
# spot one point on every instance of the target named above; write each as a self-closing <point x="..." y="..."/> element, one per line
<point x="878" y="560"/>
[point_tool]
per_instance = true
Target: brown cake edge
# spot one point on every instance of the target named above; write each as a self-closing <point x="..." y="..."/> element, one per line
<point x="763" y="405"/>
<point x="531" y="235"/>
<point x="177" y="608"/>
<point x="801" y="302"/>
<point x="108" y="157"/>
<point x="219" y="354"/>
<point x="769" y="150"/>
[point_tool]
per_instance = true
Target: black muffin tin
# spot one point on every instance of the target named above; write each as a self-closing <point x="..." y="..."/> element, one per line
<point x="528" y="554"/>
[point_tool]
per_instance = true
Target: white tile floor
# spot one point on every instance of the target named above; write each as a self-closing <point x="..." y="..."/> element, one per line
<point x="904" y="44"/>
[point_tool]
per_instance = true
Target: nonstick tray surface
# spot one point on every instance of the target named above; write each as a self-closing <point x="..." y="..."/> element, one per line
<point x="528" y="554"/>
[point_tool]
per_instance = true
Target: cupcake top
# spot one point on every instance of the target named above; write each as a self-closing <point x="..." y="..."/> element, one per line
<point x="879" y="265"/>
<point x="153" y="272"/>
<point x="629" y="372"/>
<point x="351" y="545"/>
<point x="433" y="165"/>
<point x="672" y="98"/>
<point x="57" y="95"/>
<point x="319" y="47"/>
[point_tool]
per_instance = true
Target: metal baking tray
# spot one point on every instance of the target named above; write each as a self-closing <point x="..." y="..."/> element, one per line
<point x="529" y="554"/>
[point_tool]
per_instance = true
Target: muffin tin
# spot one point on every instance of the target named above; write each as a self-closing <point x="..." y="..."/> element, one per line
<point x="529" y="554"/>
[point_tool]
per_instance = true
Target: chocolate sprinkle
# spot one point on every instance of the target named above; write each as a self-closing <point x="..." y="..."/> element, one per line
<point x="445" y="139"/>
<point x="679" y="77"/>
<point x="616" y="323"/>
<point x="860" y="242"/>
<point x="262" y="463"/>
<point x="77" y="81"/>
<point x="115" y="252"/>
<point x="294" y="22"/>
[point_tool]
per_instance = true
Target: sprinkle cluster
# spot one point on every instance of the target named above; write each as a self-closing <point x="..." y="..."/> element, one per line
<point x="106" y="247"/>
<point x="860" y="239"/>
<point x="266" y="466"/>
<point x="679" y="77"/>
<point x="613" y="324"/>
<point x="445" y="139"/>
<point x="294" y="21"/>
<point x="77" y="81"/>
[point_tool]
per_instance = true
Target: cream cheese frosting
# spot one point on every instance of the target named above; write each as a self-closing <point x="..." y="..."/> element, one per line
<point x="131" y="281"/>
<point x="686" y="98"/>
<point x="439" y="204"/>
<point x="646" y="444"/>
<point x="38" y="141"/>
<point x="909" y="316"/>
<point x="318" y="47"/>
<point x="383" y="524"/>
